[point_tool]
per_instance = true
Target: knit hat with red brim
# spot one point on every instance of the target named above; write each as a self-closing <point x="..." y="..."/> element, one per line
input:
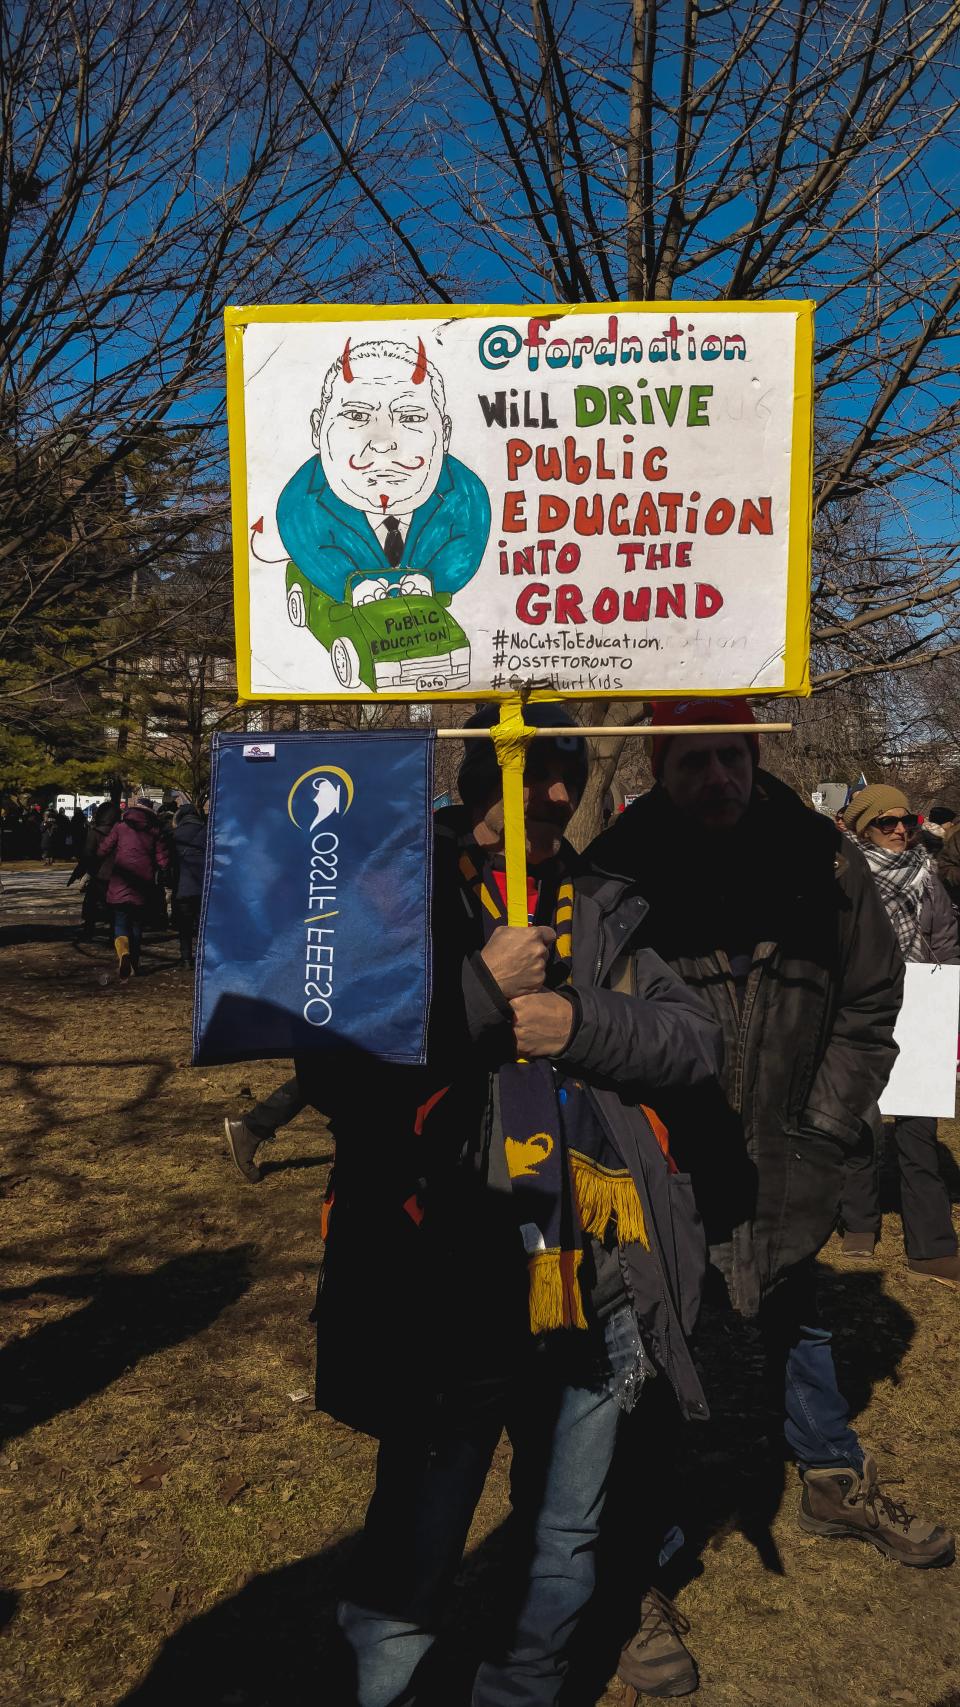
<point x="676" y="713"/>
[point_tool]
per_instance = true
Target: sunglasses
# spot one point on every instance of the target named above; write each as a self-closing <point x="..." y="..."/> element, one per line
<point x="889" y="822"/>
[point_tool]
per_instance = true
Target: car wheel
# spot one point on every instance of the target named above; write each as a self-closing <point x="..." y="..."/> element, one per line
<point x="296" y="607"/>
<point x="346" y="662"/>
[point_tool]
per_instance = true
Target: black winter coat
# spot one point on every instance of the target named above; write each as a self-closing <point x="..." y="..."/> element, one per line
<point x="808" y="1049"/>
<point x="423" y="1293"/>
<point x="947" y="867"/>
<point x="189" y="852"/>
<point x="938" y="924"/>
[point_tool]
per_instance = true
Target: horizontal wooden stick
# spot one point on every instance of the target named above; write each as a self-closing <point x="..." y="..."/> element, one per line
<point x="614" y="731"/>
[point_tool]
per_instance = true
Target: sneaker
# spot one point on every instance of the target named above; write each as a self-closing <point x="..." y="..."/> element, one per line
<point x="656" y="1662"/>
<point x="243" y="1146"/>
<point x="125" y="966"/>
<point x="945" y="1270"/>
<point x="859" y="1244"/>
<point x="839" y="1502"/>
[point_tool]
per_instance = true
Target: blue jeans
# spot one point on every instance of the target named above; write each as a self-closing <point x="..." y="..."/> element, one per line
<point x="799" y="1352"/>
<point x="563" y="1423"/>
<point x="128" y="922"/>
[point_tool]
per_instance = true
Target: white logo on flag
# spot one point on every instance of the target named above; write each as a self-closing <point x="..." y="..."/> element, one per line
<point x="326" y="799"/>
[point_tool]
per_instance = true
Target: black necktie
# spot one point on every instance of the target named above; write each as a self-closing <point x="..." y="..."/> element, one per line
<point x="394" y="542"/>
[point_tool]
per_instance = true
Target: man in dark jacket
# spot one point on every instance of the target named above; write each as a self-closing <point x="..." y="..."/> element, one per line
<point x="509" y="1243"/>
<point x="189" y="854"/>
<point x="97" y="869"/>
<point x="766" y="910"/>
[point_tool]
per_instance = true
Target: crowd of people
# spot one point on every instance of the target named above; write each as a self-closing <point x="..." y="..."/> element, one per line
<point x="127" y="859"/>
<point x="30" y="832"/>
<point x="662" y="1092"/>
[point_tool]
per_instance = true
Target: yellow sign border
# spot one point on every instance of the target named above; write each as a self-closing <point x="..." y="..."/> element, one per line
<point x="796" y="656"/>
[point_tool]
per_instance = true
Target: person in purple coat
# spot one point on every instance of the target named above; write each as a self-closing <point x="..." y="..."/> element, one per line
<point x="139" y="852"/>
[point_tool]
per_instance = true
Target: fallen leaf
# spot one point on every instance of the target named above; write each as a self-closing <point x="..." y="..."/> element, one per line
<point x="165" y="1598"/>
<point x="229" y="1489"/>
<point x="152" y="1475"/>
<point x="39" y="1579"/>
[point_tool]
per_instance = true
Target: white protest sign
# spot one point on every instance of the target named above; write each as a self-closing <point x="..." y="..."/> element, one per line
<point x="432" y="501"/>
<point x="924" y="1078"/>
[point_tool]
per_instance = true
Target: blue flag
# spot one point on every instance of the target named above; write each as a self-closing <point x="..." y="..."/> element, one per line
<point x="315" y="920"/>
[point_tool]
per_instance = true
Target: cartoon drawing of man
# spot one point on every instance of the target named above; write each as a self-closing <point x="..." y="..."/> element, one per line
<point x="383" y="494"/>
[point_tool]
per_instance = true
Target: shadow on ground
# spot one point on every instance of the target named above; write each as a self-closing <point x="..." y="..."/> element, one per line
<point x="275" y="1644"/>
<point x="128" y="1317"/>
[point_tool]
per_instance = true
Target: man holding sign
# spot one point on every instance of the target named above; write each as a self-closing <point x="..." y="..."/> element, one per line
<point x="509" y="1243"/>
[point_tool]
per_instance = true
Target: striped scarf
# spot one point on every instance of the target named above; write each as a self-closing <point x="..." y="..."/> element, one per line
<point x="566" y="1175"/>
<point x="902" y="880"/>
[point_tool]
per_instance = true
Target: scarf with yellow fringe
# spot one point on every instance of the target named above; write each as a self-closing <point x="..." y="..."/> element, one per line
<point x="566" y="1175"/>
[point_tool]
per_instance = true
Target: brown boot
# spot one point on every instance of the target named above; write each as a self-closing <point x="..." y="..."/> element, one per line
<point x="656" y="1662"/>
<point x="839" y="1502"/>
<point x="859" y="1244"/>
<point x="243" y="1146"/>
<point x="946" y="1270"/>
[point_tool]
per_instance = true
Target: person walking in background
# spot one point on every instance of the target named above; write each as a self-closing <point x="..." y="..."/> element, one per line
<point x="62" y="841"/>
<point x="48" y="838"/>
<point x="138" y="853"/>
<point x="923" y="918"/>
<point x="189" y="853"/>
<point x="246" y="1134"/>
<point x="78" y="832"/>
<point x="96" y="866"/>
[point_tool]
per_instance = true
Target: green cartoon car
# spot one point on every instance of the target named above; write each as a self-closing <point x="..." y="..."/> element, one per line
<point x="404" y="641"/>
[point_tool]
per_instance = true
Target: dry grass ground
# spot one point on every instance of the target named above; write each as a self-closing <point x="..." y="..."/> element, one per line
<point x="176" y="1519"/>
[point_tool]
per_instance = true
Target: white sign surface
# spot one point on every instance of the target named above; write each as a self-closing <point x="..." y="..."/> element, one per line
<point x="610" y="499"/>
<point x="924" y="1078"/>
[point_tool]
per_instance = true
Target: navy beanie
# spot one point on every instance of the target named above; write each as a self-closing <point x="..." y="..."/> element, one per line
<point x="478" y="778"/>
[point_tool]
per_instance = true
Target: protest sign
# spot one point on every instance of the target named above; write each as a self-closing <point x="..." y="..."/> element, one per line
<point x="613" y="499"/>
<point x="315" y="925"/>
<point x="924" y="1077"/>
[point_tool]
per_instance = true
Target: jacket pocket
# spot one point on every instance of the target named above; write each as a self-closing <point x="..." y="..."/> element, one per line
<point x="813" y="1184"/>
<point x="690" y="1249"/>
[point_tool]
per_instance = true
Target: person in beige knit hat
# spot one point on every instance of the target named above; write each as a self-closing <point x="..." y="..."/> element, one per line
<point x="925" y="925"/>
<point x="880" y="801"/>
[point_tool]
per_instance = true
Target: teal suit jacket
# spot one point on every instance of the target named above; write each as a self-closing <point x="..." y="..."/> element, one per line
<point x="328" y="539"/>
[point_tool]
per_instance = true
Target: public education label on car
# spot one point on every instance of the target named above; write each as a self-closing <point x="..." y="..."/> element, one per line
<point x="315" y="920"/>
<point x="606" y="498"/>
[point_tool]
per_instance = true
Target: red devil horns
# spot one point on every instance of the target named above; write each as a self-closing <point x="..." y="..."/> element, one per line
<point x="419" y="367"/>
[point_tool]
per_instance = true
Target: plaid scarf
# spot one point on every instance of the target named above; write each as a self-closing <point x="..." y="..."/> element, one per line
<point x="901" y="879"/>
<point x="566" y="1175"/>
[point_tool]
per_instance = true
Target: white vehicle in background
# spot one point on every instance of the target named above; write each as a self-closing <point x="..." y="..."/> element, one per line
<point x="69" y="802"/>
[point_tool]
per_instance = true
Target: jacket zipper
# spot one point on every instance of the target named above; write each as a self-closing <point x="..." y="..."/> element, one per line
<point x="750" y="995"/>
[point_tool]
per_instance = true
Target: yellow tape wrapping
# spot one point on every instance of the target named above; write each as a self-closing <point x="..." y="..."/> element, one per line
<point x="511" y="737"/>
